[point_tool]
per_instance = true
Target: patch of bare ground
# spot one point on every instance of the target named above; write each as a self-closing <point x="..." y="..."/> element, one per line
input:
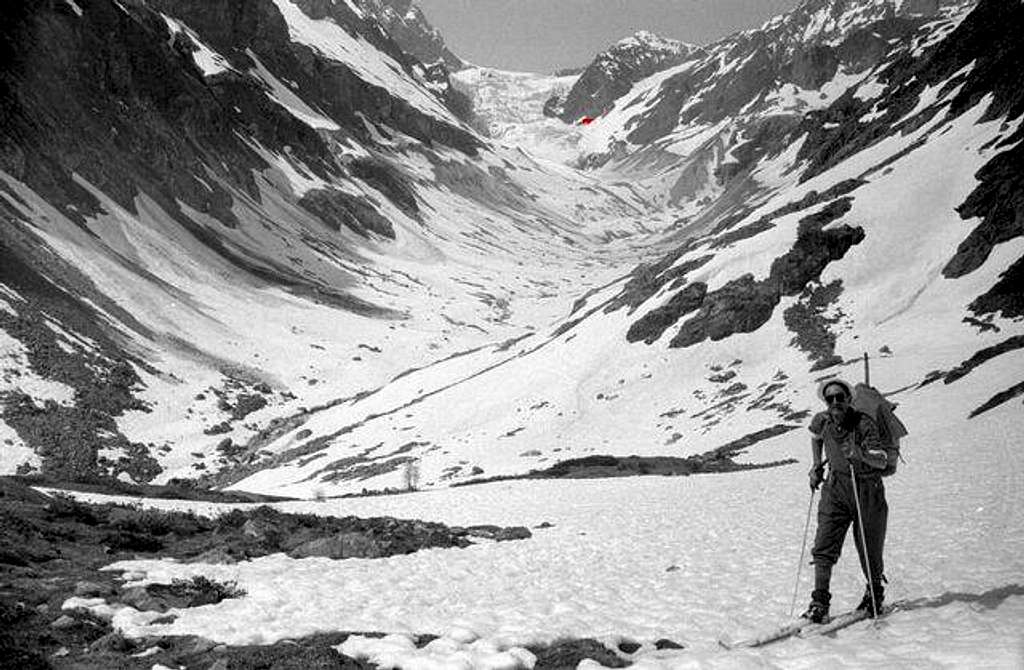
<point x="176" y="489"/>
<point x="718" y="460"/>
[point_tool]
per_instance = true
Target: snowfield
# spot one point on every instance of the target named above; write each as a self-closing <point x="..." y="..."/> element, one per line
<point x="691" y="559"/>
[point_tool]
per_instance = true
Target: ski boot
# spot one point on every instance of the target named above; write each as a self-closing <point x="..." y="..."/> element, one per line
<point x="817" y="611"/>
<point x="872" y="608"/>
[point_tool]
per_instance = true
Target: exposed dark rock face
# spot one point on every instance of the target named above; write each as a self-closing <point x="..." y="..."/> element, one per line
<point x="988" y="353"/>
<point x="815" y="248"/>
<point x="647" y="279"/>
<point x="762" y="137"/>
<point x="406" y="25"/>
<point x="613" y="73"/>
<point x="743" y="305"/>
<point x="811" y="327"/>
<point x="652" y="325"/>
<point x="1005" y="296"/>
<point x="388" y="180"/>
<point x="337" y="208"/>
<point x="812" y="66"/>
<point x="999" y="201"/>
<point x="998" y="399"/>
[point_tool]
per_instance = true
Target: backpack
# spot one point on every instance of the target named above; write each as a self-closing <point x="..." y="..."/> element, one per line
<point x="870" y="401"/>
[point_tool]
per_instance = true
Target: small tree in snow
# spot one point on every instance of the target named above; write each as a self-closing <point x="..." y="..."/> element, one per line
<point x="411" y="474"/>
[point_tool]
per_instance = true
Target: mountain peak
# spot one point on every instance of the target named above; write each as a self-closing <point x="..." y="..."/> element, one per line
<point x="645" y="39"/>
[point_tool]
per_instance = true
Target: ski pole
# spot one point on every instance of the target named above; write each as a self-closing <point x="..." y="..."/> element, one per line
<point x="803" y="548"/>
<point x="864" y="544"/>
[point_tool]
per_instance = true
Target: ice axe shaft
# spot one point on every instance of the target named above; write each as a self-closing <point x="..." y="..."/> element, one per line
<point x="864" y="543"/>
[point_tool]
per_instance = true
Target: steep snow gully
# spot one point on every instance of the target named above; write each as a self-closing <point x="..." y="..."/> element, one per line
<point x="262" y="247"/>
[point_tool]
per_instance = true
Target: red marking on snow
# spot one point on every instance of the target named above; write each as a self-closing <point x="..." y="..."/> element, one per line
<point x="585" y="121"/>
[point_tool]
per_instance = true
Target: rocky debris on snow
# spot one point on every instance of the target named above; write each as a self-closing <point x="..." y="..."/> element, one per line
<point x="810" y="320"/>
<point x="35" y="531"/>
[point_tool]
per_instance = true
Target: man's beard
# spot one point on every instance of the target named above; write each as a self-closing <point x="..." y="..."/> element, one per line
<point x="838" y="412"/>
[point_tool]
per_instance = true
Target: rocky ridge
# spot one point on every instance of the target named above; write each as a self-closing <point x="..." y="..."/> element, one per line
<point x="614" y="71"/>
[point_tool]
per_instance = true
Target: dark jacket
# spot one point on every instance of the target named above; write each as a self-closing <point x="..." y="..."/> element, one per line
<point x="857" y="440"/>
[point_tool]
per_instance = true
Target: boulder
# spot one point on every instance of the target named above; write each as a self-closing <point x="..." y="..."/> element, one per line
<point x="142" y="600"/>
<point x="341" y="545"/>
<point x="88" y="589"/>
<point x="665" y="643"/>
<point x="215" y="555"/>
<point x="499" y="534"/>
<point x="112" y="642"/>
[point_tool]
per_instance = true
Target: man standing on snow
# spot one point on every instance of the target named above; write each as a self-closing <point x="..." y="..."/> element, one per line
<point x="849" y="438"/>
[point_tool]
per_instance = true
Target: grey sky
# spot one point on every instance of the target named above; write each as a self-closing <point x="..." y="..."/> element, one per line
<point x="544" y="35"/>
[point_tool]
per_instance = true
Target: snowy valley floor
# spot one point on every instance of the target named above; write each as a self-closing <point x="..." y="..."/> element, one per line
<point x="691" y="559"/>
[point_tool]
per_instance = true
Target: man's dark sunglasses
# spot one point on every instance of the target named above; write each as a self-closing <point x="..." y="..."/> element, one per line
<point x="835" y="397"/>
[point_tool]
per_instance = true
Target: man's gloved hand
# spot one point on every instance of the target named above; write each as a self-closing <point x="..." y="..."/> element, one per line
<point x="851" y="451"/>
<point x="816" y="476"/>
<point x="876" y="458"/>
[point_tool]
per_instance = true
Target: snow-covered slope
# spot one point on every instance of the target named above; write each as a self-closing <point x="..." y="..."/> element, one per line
<point x="266" y="250"/>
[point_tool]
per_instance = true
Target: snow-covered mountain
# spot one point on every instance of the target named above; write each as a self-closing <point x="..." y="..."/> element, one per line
<point x="613" y="73"/>
<point x="253" y="242"/>
<point x="406" y="24"/>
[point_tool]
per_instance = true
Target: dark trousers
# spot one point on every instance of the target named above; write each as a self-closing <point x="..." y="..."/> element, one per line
<point x="837" y="510"/>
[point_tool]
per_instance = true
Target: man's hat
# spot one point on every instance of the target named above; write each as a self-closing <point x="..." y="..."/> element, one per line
<point x="836" y="382"/>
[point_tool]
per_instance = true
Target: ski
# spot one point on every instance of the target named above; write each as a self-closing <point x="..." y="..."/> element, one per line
<point x="804" y="628"/>
<point x="844" y="620"/>
<point x="790" y="629"/>
<point x="836" y="623"/>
